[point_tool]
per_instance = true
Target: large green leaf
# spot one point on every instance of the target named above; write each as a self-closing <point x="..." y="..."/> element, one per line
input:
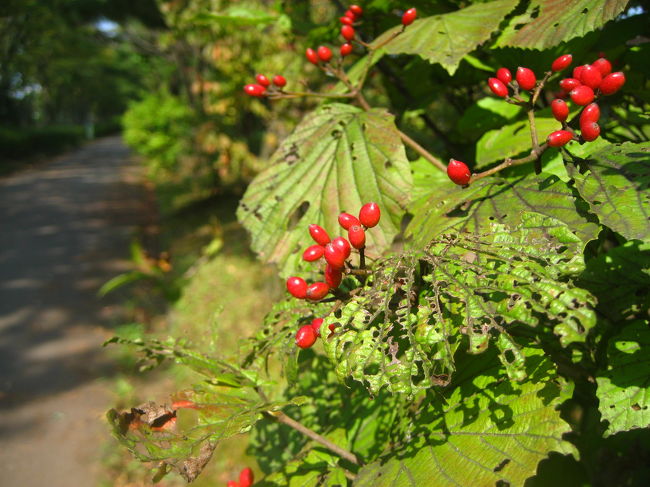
<point x="624" y="388"/>
<point x="495" y="200"/>
<point x="547" y="23"/>
<point x="617" y="188"/>
<point x="490" y="431"/>
<point x="337" y="159"/>
<point x="447" y="38"/>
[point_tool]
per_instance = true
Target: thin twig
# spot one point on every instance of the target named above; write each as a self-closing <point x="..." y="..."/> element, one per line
<point x="533" y="156"/>
<point x="422" y="151"/>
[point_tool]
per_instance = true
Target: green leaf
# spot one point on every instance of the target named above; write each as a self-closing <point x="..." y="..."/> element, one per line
<point x="337" y="159"/>
<point x="617" y="188"/>
<point x="510" y="140"/>
<point x="486" y="114"/>
<point x="547" y="23"/>
<point x="236" y="15"/>
<point x="490" y="431"/>
<point x="624" y="388"/>
<point x="122" y="280"/>
<point x="494" y="200"/>
<point x="448" y="38"/>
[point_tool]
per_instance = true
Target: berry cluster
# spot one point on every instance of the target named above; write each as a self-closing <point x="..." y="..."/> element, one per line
<point x="245" y="479"/>
<point x="259" y="89"/>
<point x="335" y="252"/>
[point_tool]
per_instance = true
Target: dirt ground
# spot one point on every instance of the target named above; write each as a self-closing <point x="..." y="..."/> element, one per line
<point x="65" y="228"/>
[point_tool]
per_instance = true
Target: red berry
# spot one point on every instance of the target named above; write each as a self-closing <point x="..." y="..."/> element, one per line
<point x="603" y="65"/>
<point x="319" y="234"/>
<point x="324" y="53"/>
<point x="458" y="172"/>
<point x="350" y="13"/>
<point x="567" y="84"/>
<point x="306" y="336"/>
<point x="590" y="131"/>
<point x="279" y="80"/>
<point x="347" y="31"/>
<point x="313" y="252"/>
<point x="346" y="20"/>
<point x="590" y="113"/>
<point x="590" y="76"/>
<point x="254" y="90"/>
<point x="409" y="17"/>
<point x="576" y="72"/>
<point x="526" y="78"/>
<point x="346" y="49"/>
<point x="346" y="220"/>
<point x="559" y="138"/>
<point x="317" y="291"/>
<point x="311" y="55"/>
<point x="334" y="256"/>
<point x="343" y="245"/>
<point x="369" y="214"/>
<point x="297" y="287"/>
<point x="357" y="236"/>
<point x="612" y="83"/>
<point x="562" y="62"/>
<point x="356" y="10"/>
<point x="582" y="95"/>
<point x="315" y="324"/>
<point x="246" y="477"/>
<point x="497" y="87"/>
<point x="232" y="483"/>
<point x="263" y="80"/>
<point x="333" y="276"/>
<point x="504" y="75"/>
<point x="560" y="110"/>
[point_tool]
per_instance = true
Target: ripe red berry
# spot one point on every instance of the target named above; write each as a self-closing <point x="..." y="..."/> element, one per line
<point x="343" y="245"/>
<point x="346" y="20"/>
<point x="246" y="477"/>
<point x="567" y="84"/>
<point x="576" y="72"/>
<point x="324" y="53"/>
<point x="357" y="236"/>
<point x="504" y="75"/>
<point x="369" y="214"/>
<point x="590" y="131"/>
<point x="346" y="49"/>
<point x="319" y="234"/>
<point x="350" y="13"/>
<point x="346" y="220"/>
<point x="279" y="80"/>
<point x="333" y="277"/>
<point x="612" y="83"/>
<point x="315" y="324"/>
<point x="254" y="90"/>
<point x="582" y="95"/>
<point x="313" y="252"/>
<point x="560" y="109"/>
<point x="356" y="10"/>
<point x="297" y="287"/>
<point x="334" y="256"/>
<point x="232" y="483"/>
<point x="317" y="291"/>
<point x="590" y="76"/>
<point x="458" y="172"/>
<point x="562" y="62"/>
<point x="347" y="31"/>
<point x="603" y="65"/>
<point x="526" y="78"/>
<point x="306" y="336"/>
<point x="311" y="55"/>
<point x="559" y="138"/>
<point x="590" y="113"/>
<point x="263" y="80"/>
<point x="497" y="87"/>
<point x="409" y="17"/>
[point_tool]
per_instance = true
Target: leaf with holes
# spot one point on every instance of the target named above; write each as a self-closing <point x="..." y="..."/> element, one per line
<point x="624" y="388"/>
<point x="337" y="159"/>
<point x="447" y="38"/>
<point x="496" y="200"/>
<point x="490" y="431"/>
<point x="617" y="188"/>
<point x="547" y="23"/>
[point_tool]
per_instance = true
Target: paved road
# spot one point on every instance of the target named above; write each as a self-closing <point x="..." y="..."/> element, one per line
<point x="64" y="231"/>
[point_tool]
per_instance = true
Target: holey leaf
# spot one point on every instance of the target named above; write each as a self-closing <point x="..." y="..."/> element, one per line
<point x="547" y="23"/>
<point x="447" y="38"/>
<point x="490" y="431"/>
<point x="337" y="159"/>
<point x="617" y="188"/>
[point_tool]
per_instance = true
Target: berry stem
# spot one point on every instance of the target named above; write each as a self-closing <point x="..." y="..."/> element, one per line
<point x="362" y="259"/>
<point x="302" y="94"/>
<point x="422" y="151"/>
<point x="533" y="156"/>
<point x="395" y="34"/>
<point x="533" y="136"/>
